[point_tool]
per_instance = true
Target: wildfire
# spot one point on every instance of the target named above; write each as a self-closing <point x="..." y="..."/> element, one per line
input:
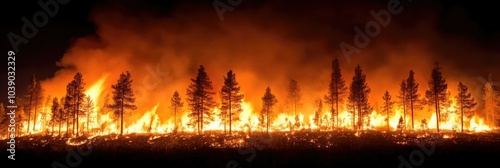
<point x="477" y="125"/>
<point x="148" y="123"/>
<point x="102" y="121"/>
<point x="377" y="120"/>
<point x="96" y="89"/>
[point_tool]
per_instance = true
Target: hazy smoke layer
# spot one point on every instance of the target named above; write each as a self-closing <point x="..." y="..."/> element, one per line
<point x="265" y="44"/>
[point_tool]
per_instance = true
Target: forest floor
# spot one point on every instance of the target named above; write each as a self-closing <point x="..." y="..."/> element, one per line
<point x="279" y="149"/>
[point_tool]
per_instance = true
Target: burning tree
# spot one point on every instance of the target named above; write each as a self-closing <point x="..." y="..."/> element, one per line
<point x="67" y="112"/>
<point x="176" y="105"/>
<point x="358" y="96"/>
<point x="318" y="113"/>
<point x="56" y="118"/>
<point x="413" y="97"/>
<point x="403" y="99"/>
<point x="37" y="100"/>
<point x="491" y="104"/>
<point x="45" y="113"/>
<point x="231" y="99"/>
<point x="436" y="94"/>
<point x="336" y="90"/>
<point x="200" y="97"/>
<point x="268" y="102"/>
<point x="34" y="96"/>
<point x="75" y="98"/>
<point x="88" y="106"/>
<point x="387" y="107"/>
<point x="465" y="103"/>
<point x="123" y="97"/>
<point x="294" y="97"/>
<point x="62" y="115"/>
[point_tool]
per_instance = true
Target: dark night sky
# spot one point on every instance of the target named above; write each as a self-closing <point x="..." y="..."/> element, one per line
<point x="454" y="21"/>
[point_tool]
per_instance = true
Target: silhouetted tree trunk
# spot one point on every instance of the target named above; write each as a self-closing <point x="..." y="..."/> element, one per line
<point x="30" y="95"/>
<point x="231" y="98"/>
<point x="387" y="107"/>
<point x="67" y="112"/>
<point x="413" y="96"/>
<point x="200" y="97"/>
<point x="176" y="105"/>
<point x="55" y="113"/>
<point x="37" y="99"/>
<point x="436" y="94"/>
<point x="123" y="97"/>
<point x="336" y="90"/>
<point x="294" y="97"/>
<point x="465" y="103"/>
<point x="358" y="94"/>
<point x="403" y="99"/>
<point x="74" y="97"/>
<point x="268" y="102"/>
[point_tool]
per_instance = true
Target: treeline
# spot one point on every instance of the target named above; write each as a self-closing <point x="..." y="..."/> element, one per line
<point x="437" y="97"/>
<point x="70" y="115"/>
<point x="73" y="113"/>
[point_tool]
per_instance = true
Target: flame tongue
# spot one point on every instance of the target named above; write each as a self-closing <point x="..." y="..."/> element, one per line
<point x="148" y="123"/>
<point x="96" y="89"/>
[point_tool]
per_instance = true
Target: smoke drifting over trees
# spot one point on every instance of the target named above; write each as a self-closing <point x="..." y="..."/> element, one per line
<point x="165" y="49"/>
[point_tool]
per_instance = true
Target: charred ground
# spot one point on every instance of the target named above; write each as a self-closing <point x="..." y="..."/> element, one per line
<point x="284" y="149"/>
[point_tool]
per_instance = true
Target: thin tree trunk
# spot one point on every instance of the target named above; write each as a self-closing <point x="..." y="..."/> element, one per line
<point x="360" y="118"/>
<point x="333" y="116"/>
<point x="337" y="111"/>
<point x="52" y="130"/>
<point x="230" y="114"/>
<point x="198" y="116"/>
<point x="175" y="117"/>
<point x="60" y="120"/>
<point x="354" y="117"/>
<point x="411" y="108"/>
<point x="88" y="120"/>
<point x="34" y="117"/>
<point x="437" y="111"/>
<point x="202" y="111"/>
<point x="387" y="111"/>
<point x="226" y="116"/>
<point x="29" y="113"/>
<point x="77" y="114"/>
<point x="462" y="115"/>
<point x="336" y="123"/>
<point x="121" y="114"/>
<point x="404" y="110"/>
<point x="67" y="125"/>
<point x="74" y="117"/>
<point x="267" y="119"/>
